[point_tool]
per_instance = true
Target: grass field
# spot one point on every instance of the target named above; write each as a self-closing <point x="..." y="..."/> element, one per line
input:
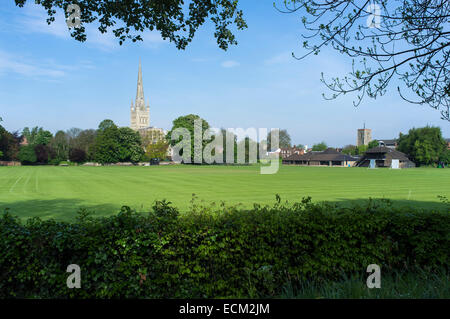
<point x="58" y="192"/>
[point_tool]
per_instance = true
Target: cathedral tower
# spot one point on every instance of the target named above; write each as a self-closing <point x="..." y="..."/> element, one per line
<point x="140" y="114"/>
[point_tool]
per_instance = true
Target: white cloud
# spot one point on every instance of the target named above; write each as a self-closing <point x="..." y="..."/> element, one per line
<point x="48" y="68"/>
<point x="230" y="64"/>
<point x="11" y="64"/>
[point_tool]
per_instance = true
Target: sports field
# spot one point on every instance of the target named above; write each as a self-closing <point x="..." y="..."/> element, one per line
<point x="58" y="192"/>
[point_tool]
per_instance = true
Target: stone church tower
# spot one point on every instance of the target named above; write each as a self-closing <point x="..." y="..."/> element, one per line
<point x="140" y="114"/>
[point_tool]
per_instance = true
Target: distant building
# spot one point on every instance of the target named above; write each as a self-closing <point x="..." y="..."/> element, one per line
<point x="383" y="156"/>
<point x="23" y="141"/>
<point x="285" y="152"/>
<point x="140" y="116"/>
<point x="153" y="134"/>
<point x="393" y="143"/>
<point x="329" y="157"/>
<point x="364" y="136"/>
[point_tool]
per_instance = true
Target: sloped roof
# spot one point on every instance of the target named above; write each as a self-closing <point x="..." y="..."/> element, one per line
<point x="330" y="151"/>
<point x="390" y="153"/>
<point x="379" y="149"/>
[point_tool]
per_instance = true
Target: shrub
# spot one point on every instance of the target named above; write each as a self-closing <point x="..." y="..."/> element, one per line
<point x="215" y="251"/>
<point x="54" y="161"/>
<point x="77" y="155"/>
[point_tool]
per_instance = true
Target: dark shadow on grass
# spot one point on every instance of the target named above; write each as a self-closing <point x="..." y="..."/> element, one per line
<point x="66" y="209"/>
<point x="58" y="209"/>
<point x="398" y="203"/>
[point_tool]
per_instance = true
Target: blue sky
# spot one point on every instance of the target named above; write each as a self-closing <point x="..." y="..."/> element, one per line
<point x="49" y="79"/>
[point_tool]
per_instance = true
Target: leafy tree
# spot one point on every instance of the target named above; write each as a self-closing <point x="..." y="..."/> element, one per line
<point x="130" y="145"/>
<point x="37" y="135"/>
<point x="27" y="155"/>
<point x="445" y="157"/>
<point x="107" y="145"/>
<point x="424" y="145"/>
<point x="408" y="41"/>
<point x="157" y="150"/>
<point x="60" y="146"/>
<point x="187" y="122"/>
<point x="248" y="145"/>
<point x="9" y="144"/>
<point x="1" y="154"/>
<point x="232" y="137"/>
<point x="350" y="150"/>
<point x="105" y="124"/>
<point x="176" y="20"/>
<point x="284" y="140"/>
<point x="82" y="140"/>
<point x="361" y="149"/>
<point x="320" y="147"/>
<point x="373" y="144"/>
<point x="356" y="150"/>
<point x="113" y="144"/>
<point x="301" y="146"/>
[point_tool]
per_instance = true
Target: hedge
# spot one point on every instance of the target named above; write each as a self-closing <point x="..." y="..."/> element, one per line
<point x="215" y="251"/>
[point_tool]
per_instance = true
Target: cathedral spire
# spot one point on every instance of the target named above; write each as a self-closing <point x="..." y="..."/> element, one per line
<point x="140" y="89"/>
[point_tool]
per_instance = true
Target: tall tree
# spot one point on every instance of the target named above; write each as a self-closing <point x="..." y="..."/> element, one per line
<point x="60" y="146"/>
<point x="9" y="144"/>
<point x="107" y="145"/>
<point x="157" y="150"/>
<point x="113" y="144"/>
<point x="130" y="145"/>
<point x="176" y="20"/>
<point x="404" y="40"/>
<point x="424" y="145"/>
<point x="322" y="146"/>
<point x="284" y="140"/>
<point x="187" y="122"/>
<point x="83" y="140"/>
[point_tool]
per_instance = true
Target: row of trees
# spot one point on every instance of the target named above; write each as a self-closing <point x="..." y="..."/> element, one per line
<point x="107" y="144"/>
<point x="188" y="122"/>
<point x="111" y="144"/>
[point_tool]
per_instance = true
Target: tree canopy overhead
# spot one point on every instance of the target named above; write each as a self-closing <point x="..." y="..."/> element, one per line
<point x="404" y="39"/>
<point x="176" y="20"/>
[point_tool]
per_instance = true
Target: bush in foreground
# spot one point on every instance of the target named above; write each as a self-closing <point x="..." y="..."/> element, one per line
<point x="217" y="251"/>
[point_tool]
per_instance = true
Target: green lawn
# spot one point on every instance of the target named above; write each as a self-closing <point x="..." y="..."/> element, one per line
<point x="58" y="192"/>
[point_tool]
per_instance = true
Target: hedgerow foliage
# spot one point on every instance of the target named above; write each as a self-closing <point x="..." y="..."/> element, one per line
<point x="215" y="251"/>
